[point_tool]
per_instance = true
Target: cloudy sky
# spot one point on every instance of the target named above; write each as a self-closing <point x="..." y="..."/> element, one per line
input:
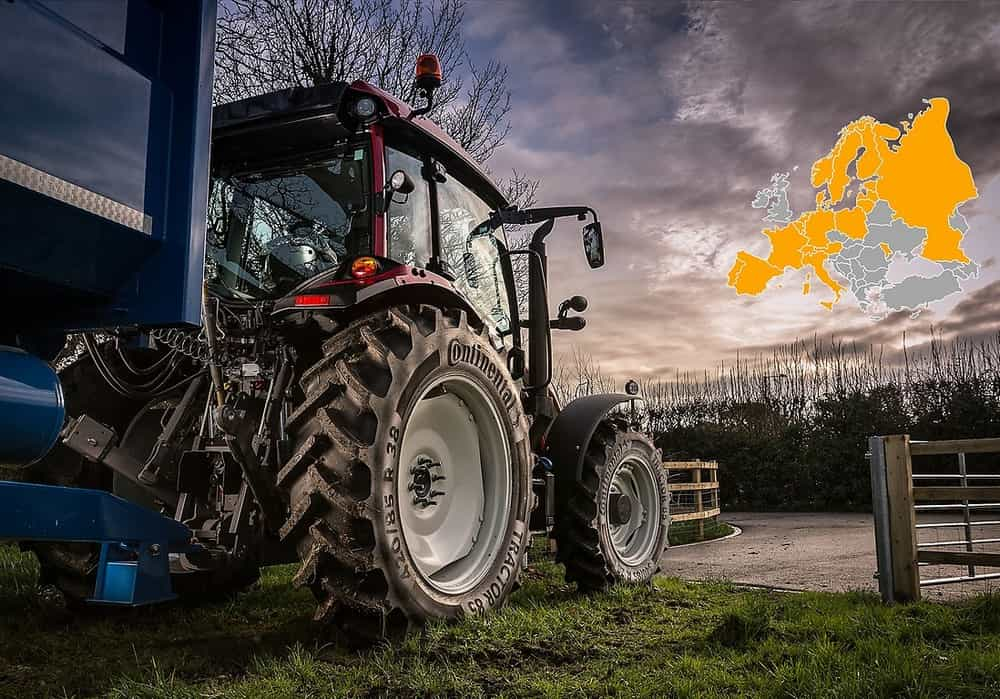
<point x="668" y="117"/>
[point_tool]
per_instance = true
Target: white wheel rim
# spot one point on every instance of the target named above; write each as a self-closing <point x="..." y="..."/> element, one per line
<point x="454" y="484"/>
<point x="634" y="536"/>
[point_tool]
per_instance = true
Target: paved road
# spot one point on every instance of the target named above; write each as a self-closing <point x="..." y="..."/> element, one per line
<point x="816" y="551"/>
<point x="787" y="550"/>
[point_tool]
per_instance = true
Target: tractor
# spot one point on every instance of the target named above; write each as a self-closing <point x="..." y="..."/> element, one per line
<point x="364" y="397"/>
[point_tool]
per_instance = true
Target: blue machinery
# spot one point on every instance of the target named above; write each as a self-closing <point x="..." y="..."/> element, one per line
<point x="31" y="401"/>
<point x="104" y="154"/>
<point x="135" y="542"/>
<point x="105" y="130"/>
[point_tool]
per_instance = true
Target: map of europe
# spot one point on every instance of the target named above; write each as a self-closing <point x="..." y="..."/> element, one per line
<point x="886" y="228"/>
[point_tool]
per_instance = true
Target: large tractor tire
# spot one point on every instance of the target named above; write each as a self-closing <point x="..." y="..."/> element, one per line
<point x="612" y="522"/>
<point x="410" y="475"/>
<point x="72" y="567"/>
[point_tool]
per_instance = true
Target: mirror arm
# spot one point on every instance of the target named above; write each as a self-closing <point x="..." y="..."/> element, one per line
<point x="573" y="323"/>
<point x="524" y="217"/>
<point x="542" y="213"/>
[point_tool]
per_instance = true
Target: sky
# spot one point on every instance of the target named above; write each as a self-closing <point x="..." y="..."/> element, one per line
<point x="667" y="118"/>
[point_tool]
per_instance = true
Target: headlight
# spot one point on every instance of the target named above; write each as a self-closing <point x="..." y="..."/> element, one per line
<point x="365" y="108"/>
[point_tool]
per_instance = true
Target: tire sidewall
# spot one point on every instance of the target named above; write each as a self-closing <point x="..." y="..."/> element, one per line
<point x="449" y="351"/>
<point x="631" y="446"/>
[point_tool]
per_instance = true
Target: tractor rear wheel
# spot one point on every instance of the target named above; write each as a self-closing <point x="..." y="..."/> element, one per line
<point x="611" y="523"/>
<point x="410" y="477"/>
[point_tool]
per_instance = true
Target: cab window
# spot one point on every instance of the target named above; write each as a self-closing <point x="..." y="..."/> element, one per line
<point x="409" y="221"/>
<point x="460" y="212"/>
<point x="270" y="230"/>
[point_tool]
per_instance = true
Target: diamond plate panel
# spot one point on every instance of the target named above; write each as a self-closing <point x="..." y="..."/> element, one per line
<point x="42" y="182"/>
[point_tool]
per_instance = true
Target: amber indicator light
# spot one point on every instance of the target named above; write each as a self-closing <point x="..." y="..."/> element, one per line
<point x="364" y="267"/>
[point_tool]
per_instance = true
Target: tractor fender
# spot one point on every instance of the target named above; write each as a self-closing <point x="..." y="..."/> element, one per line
<point x="399" y="284"/>
<point x="566" y="441"/>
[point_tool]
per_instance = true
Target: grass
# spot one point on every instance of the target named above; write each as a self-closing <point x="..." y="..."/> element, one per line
<point x="681" y="533"/>
<point x="673" y="639"/>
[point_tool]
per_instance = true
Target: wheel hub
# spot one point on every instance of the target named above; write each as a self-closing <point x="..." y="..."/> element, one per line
<point x="633" y="511"/>
<point x="619" y="508"/>
<point x="424" y="473"/>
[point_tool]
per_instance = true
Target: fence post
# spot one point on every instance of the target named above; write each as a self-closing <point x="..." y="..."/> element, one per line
<point x="880" y="513"/>
<point x="902" y="518"/>
<point x="699" y="504"/>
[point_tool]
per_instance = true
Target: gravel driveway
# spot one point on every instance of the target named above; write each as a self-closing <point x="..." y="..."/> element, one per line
<point x="787" y="550"/>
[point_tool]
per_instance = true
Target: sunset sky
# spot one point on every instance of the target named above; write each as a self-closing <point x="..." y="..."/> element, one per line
<point x="668" y="118"/>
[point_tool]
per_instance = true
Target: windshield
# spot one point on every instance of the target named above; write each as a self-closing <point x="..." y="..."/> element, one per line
<point x="479" y="275"/>
<point x="475" y="262"/>
<point x="270" y="231"/>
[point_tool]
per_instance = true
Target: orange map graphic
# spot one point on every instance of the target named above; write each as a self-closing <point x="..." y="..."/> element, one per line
<point x="913" y="169"/>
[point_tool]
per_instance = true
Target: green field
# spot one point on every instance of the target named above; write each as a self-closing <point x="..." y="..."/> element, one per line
<point x="672" y="640"/>
<point x="687" y="532"/>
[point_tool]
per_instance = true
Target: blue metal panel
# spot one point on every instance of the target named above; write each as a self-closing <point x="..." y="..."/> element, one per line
<point x="132" y="576"/>
<point x="118" y="584"/>
<point x="102" y="19"/>
<point x="134" y="566"/>
<point x="81" y="113"/>
<point x="32" y="512"/>
<point x="170" y="286"/>
<point x="31" y="407"/>
<point x="104" y="157"/>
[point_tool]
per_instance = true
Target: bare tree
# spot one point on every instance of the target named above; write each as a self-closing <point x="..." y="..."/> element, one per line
<point x="579" y="375"/>
<point x="520" y="190"/>
<point x="265" y="45"/>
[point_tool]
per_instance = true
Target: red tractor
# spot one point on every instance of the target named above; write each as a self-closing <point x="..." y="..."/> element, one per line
<point x="361" y="397"/>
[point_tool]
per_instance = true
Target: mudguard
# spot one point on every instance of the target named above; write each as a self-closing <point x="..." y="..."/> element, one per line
<point x="566" y="441"/>
<point x="397" y="284"/>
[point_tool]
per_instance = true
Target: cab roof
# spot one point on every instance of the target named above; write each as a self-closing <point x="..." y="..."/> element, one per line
<point x="299" y="117"/>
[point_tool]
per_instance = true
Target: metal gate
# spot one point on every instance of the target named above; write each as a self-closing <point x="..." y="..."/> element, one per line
<point x="956" y="499"/>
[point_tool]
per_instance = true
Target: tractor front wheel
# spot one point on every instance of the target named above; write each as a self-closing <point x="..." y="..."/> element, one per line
<point x="611" y="522"/>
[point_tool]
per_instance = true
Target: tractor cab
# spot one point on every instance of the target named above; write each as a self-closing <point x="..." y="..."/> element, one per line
<point x="342" y="184"/>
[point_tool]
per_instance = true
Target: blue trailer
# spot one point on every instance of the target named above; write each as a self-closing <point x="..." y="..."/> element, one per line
<point x="105" y="127"/>
<point x="105" y="110"/>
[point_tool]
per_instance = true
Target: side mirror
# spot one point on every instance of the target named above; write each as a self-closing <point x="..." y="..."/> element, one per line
<point x="471" y="270"/>
<point x="593" y="244"/>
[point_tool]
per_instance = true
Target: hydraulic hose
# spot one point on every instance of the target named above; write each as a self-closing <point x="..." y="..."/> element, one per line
<point x="211" y="338"/>
<point x="141" y="371"/>
<point x="143" y="392"/>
